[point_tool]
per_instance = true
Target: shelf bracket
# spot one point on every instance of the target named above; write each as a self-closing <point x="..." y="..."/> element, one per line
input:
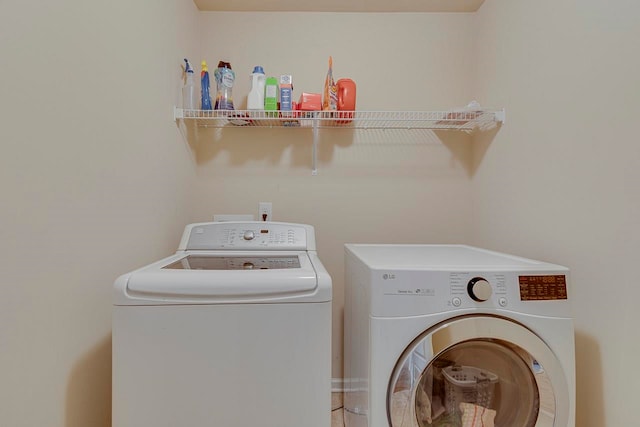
<point x="178" y="113"/>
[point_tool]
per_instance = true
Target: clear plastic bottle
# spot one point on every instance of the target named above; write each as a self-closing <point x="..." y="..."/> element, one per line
<point x="255" y="99"/>
<point x="189" y="89"/>
<point x="225" y="78"/>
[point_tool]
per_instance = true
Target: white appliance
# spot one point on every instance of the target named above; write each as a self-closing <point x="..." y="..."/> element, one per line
<point x="431" y="327"/>
<point x="234" y="330"/>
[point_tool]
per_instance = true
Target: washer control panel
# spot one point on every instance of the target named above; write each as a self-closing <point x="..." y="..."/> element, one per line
<point x="248" y="236"/>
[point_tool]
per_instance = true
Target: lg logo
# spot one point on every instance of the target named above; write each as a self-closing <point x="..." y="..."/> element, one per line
<point x="386" y="276"/>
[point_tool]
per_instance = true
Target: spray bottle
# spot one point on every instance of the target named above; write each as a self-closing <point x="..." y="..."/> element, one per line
<point x="189" y="89"/>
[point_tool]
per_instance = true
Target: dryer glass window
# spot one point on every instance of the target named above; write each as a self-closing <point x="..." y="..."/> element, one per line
<point x="440" y="384"/>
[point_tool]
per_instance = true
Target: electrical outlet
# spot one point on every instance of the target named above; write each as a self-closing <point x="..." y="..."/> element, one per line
<point x="264" y="211"/>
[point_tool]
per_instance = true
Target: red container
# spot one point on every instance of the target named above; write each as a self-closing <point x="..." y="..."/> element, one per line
<point x="346" y="89"/>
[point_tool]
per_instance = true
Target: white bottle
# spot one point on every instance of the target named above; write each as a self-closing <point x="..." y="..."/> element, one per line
<point x="255" y="99"/>
<point x="189" y="89"/>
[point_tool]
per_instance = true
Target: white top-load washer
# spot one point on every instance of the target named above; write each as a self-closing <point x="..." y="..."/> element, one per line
<point x="233" y="330"/>
<point x="434" y="333"/>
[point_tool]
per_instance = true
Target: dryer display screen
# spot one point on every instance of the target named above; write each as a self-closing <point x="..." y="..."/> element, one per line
<point x="543" y="288"/>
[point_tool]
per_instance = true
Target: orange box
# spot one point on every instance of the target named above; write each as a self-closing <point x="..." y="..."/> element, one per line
<point x="310" y="102"/>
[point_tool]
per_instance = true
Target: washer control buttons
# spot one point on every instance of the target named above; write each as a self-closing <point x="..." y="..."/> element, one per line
<point x="457" y="302"/>
<point x="479" y="289"/>
<point x="502" y="301"/>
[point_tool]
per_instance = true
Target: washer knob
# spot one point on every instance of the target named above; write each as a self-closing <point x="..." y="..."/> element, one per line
<point x="479" y="289"/>
<point x="248" y="235"/>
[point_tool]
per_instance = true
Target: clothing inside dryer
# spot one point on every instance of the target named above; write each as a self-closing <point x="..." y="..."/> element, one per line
<point x="481" y="382"/>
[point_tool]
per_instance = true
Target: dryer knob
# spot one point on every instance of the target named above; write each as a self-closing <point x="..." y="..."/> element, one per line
<point x="248" y="235"/>
<point x="479" y="289"/>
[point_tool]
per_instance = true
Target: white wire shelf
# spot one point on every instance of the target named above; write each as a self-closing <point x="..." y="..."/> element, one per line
<point x="466" y="121"/>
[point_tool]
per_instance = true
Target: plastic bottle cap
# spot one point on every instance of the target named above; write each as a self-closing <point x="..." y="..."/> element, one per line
<point x="258" y="69"/>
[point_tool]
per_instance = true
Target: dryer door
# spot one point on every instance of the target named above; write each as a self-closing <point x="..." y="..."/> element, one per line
<point x="478" y="370"/>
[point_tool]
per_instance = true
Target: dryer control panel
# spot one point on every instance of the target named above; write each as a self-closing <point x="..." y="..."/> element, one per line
<point x="414" y="292"/>
<point x="530" y="287"/>
<point x="414" y="280"/>
<point x="479" y="287"/>
<point x="547" y="287"/>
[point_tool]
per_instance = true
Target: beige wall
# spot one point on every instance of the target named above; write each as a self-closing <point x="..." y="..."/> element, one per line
<point x="94" y="179"/>
<point x="372" y="186"/>
<point x="560" y="180"/>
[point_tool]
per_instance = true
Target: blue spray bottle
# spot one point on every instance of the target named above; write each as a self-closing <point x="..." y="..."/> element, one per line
<point x="204" y="87"/>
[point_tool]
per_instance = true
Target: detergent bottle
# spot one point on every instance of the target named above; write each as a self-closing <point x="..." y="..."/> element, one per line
<point x="255" y="99"/>
<point x="225" y="77"/>
<point x="271" y="94"/>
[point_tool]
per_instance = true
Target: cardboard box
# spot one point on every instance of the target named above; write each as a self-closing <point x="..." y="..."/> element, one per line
<point x="310" y="102"/>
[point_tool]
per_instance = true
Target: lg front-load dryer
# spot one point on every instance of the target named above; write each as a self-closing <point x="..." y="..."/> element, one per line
<point x="234" y="330"/>
<point x="442" y="335"/>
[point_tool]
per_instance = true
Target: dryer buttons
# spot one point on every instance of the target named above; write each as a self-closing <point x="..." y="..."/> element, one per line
<point x="456" y="302"/>
<point x="479" y="289"/>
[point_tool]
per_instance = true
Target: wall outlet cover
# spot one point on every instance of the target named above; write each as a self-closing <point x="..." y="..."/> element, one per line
<point x="265" y="211"/>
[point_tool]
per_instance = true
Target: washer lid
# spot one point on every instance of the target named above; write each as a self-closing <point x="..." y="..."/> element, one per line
<point x="221" y="277"/>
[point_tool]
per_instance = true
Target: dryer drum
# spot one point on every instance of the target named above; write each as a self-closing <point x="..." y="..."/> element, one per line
<point x="453" y="366"/>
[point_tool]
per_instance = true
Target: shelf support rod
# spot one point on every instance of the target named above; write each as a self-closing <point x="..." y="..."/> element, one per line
<point x="314" y="154"/>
